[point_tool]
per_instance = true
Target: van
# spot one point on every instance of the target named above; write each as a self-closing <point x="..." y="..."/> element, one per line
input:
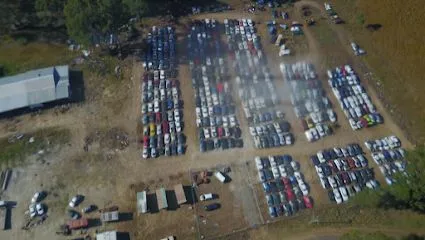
<point x="220" y="177"/>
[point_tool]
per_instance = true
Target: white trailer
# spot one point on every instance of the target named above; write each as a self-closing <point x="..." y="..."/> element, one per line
<point x="220" y="176"/>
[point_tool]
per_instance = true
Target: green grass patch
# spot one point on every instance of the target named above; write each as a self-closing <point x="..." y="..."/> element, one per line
<point x="19" y="56"/>
<point x="357" y="235"/>
<point x="14" y="151"/>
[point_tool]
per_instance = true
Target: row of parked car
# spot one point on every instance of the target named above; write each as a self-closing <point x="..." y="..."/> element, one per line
<point x="256" y="89"/>
<point x="285" y="189"/>
<point x="389" y="156"/>
<point x="161" y="49"/>
<point x="343" y="171"/>
<point x="353" y="98"/>
<point x="310" y="102"/>
<point x="215" y="109"/>
<point x="162" y="114"/>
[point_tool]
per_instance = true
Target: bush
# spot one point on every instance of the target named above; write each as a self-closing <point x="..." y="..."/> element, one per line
<point x="360" y="19"/>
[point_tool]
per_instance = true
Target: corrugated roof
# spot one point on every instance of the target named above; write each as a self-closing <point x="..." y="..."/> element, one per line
<point x="111" y="235"/>
<point x="161" y="198"/>
<point x="141" y="202"/>
<point x="34" y="87"/>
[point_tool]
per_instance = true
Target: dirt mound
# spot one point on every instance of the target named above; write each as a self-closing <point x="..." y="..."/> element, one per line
<point x="111" y="139"/>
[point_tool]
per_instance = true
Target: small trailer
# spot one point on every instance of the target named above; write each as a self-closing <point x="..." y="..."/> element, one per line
<point x="161" y="198"/>
<point x="109" y="216"/>
<point x="78" y="223"/>
<point x="220" y="176"/>
<point x="142" y="206"/>
<point x="180" y="195"/>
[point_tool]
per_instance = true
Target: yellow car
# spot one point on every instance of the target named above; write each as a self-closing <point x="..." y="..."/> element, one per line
<point x="152" y="129"/>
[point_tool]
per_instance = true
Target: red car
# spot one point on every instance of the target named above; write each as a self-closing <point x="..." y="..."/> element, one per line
<point x="165" y="127"/>
<point x="286" y="182"/>
<point x="307" y="202"/>
<point x="220" y="132"/>
<point x="145" y="141"/>
<point x="290" y="196"/>
<point x="158" y="117"/>
<point x="351" y="163"/>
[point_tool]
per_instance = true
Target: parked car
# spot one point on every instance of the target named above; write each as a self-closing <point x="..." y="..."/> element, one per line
<point x="212" y="206"/>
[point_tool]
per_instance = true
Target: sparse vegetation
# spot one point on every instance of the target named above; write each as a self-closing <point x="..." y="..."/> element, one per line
<point x="15" y="150"/>
<point x="17" y="57"/>
<point x="395" y="53"/>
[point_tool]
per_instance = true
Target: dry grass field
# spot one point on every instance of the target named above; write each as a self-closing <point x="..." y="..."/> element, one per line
<point x="394" y="52"/>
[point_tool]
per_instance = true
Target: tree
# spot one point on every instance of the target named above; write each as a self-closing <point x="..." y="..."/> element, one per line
<point x="50" y="11"/>
<point x="86" y="19"/>
<point x="80" y="19"/>
<point x="137" y="7"/>
<point x="410" y="188"/>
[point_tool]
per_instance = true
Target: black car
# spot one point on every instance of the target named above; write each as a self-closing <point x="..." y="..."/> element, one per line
<point x="331" y="196"/>
<point x="232" y="143"/>
<point x="212" y="206"/>
<point x="315" y="160"/>
<point x="217" y="143"/>
<point x="224" y="143"/>
<point x="239" y="143"/>
<point x="173" y="149"/>
<point x="202" y="146"/>
<point x="237" y="132"/>
<point x="210" y="145"/>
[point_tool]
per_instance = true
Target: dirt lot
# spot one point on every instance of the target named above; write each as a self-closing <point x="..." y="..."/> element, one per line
<point x="108" y="175"/>
<point x="237" y="200"/>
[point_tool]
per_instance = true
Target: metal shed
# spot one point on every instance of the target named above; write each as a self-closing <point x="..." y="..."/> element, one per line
<point x="141" y="202"/>
<point x="111" y="235"/>
<point x="109" y="216"/>
<point x="179" y="191"/>
<point x="34" y="87"/>
<point x="161" y="198"/>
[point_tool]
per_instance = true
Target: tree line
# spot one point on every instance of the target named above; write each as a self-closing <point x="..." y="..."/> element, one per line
<point x="84" y="19"/>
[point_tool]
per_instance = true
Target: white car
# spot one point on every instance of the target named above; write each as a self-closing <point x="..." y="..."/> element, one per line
<point x="282" y="171"/>
<point x="178" y="126"/>
<point x="32" y="210"/>
<point x="344" y="193"/>
<point x="36" y="197"/>
<point x="207" y="133"/>
<point x="275" y="171"/>
<point x="176" y="115"/>
<point x="258" y="163"/>
<point x="331" y="115"/>
<point x="205" y="197"/>
<point x="145" y="153"/>
<point x="303" y="188"/>
<point x="166" y="138"/>
<point x="40" y="209"/>
<point x="154" y="153"/>
<point x="233" y="121"/>
<point x="337" y="196"/>
<point x="332" y="182"/>
<point x="252" y="131"/>
<point x="75" y="201"/>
